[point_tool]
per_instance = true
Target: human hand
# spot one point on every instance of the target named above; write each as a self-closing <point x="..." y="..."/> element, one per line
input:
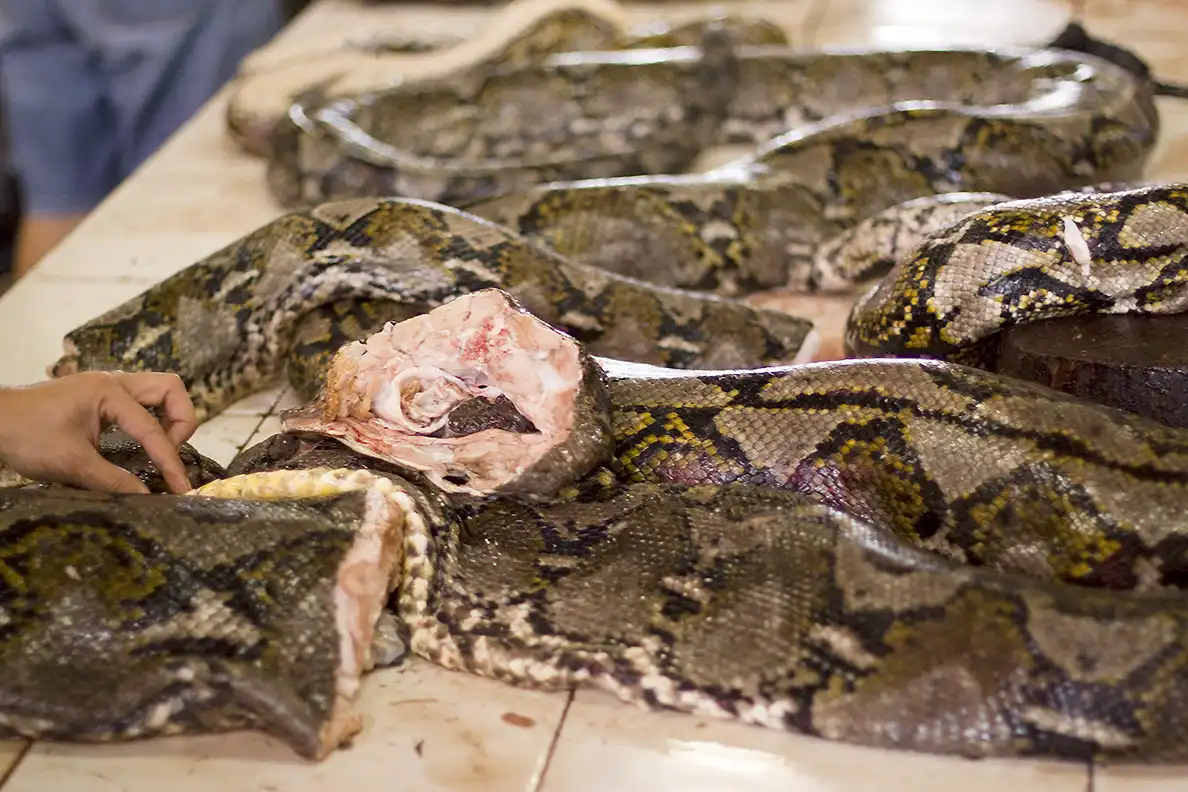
<point x="50" y="431"/>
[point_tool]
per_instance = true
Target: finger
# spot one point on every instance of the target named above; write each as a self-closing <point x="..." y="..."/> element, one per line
<point x="93" y="472"/>
<point x="168" y="392"/>
<point x="119" y="407"/>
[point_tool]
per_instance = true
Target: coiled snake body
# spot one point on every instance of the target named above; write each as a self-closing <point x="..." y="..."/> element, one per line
<point x="912" y="554"/>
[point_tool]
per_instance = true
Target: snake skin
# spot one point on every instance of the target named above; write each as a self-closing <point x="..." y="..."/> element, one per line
<point x="943" y="563"/>
<point x="1121" y="253"/>
<point x="945" y="131"/>
<point x="520" y="33"/>
<point x="928" y="121"/>
<point x="224" y="324"/>
<point x="908" y="554"/>
<point x="128" y="617"/>
<point x="762" y="606"/>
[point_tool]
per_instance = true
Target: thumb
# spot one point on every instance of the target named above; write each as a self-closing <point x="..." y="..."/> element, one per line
<point x="95" y="473"/>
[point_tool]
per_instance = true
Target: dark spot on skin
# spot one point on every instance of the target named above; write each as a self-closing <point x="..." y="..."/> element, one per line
<point x="420" y="747"/>
<point x="515" y="719"/>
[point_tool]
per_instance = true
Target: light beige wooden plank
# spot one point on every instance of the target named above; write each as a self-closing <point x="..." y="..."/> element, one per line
<point x="426" y="730"/>
<point x="606" y="745"/>
<point x="11" y="752"/>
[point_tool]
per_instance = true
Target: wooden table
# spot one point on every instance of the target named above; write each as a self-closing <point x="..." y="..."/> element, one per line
<point x="428" y="729"/>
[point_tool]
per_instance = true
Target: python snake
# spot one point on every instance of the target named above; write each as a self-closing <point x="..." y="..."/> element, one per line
<point x="518" y="33"/>
<point x="909" y="554"/>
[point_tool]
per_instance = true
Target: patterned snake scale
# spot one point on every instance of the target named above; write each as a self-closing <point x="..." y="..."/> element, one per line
<point x="914" y="554"/>
<point x="520" y="32"/>
<point x="220" y="616"/>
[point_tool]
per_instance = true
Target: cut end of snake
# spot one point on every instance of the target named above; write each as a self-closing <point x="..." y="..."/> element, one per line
<point x="366" y="576"/>
<point x="478" y="395"/>
<point x="67" y="364"/>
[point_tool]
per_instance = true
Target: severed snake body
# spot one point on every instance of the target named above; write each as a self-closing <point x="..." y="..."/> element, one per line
<point x="543" y="429"/>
